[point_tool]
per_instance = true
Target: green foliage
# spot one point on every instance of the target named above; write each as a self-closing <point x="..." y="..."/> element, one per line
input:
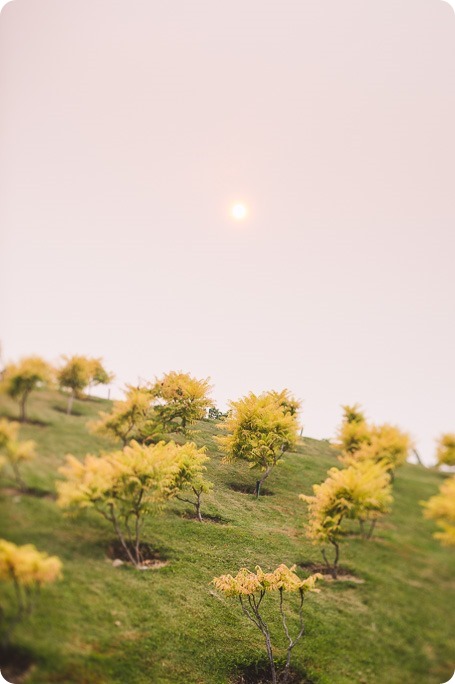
<point x="445" y="453"/>
<point x="441" y="508"/>
<point x="28" y="570"/>
<point x="128" y="486"/>
<point x="181" y="400"/>
<point x="260" y="429"/>
<point x="251" y="588"/>
<point x="216" y="414"/>
<point x="360" y="492"/>
<point x="20" y="379"/>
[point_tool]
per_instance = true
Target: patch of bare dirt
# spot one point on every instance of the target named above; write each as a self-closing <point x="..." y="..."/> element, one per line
<point x="259" y="673"/>
<point x="151" y="559"/>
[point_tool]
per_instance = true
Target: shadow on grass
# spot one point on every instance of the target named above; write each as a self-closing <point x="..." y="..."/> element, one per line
<point x="344" y="573"/>
<point x="259" y="673"/>
<point x="76" y="412"/>
<point x="29" y="491"/>
<point x="36" y="422"/>
<point x="249" y="489"/>
<point x="206" y="517"/>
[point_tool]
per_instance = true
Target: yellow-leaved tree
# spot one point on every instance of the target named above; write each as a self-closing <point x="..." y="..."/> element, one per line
<point x="80" y="372"/>
<point x="260" y="429"/>
<point x="251" y="588"/>
<point x="441" y="508"/>
<point x="360" y="492"/>
<point x="14" y="452"/>
<point x="180" y="400"/>
<point x="445" y="452"/>
<point x="360" y="441"/>
<point x="27" y="570"/>
<point x="132" y="418"/>
<point x="127" y="487"/>
<point x="20" y="379"/>
<point x="190" y="480"/>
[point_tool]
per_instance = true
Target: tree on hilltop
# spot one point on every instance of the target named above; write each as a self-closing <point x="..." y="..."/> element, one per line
<point x="181" y="400"/>
<point x="22" y="378"/>
<point x="260" y="429"/>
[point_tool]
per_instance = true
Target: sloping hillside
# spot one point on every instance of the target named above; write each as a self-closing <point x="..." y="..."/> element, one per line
<point x="392" y="621"/>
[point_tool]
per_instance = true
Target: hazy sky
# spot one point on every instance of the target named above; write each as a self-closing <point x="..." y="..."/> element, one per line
<point x="127" y="130"/>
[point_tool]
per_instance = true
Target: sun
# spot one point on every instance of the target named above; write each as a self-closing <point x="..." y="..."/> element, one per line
<point x="239" y="211"/>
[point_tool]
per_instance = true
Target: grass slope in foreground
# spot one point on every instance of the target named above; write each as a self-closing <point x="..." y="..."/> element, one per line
<point x="115" y="625"/>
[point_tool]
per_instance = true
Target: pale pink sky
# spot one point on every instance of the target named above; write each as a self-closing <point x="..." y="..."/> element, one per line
<point x="128" y="128"/>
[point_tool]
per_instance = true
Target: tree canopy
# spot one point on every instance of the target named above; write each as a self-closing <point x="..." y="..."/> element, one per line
<point x="260" y="429"/>
<point x="20" y="379"/>
<point x="181" y="400"/>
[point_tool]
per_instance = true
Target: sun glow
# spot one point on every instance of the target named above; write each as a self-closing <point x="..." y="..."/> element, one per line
<point x="239" y="211"/>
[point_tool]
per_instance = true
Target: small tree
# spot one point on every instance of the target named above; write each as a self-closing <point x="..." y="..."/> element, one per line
<point x="28" y="570"/>
<point x="441" y="508"/>
<point x="251" y="588"/>
<point x="445" y="453"/>
<point x="360" y="441"/>
<point x="98" y="374"/>
<point x="132" y="418"/>
<point x="260" y="430"/>
<point x="20" y="379"/>
<point x="361" y="492"/>
<point x="190" y="477"/>
<point x="181" y="400"/>
<point x="75" y="376"/>
<point x="125" y="487"/>
<point x="353" y="431"/>
<point x="387" y="445"/>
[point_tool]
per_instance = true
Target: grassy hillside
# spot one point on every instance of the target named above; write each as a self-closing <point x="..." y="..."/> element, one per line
<point x="102" y="624"/>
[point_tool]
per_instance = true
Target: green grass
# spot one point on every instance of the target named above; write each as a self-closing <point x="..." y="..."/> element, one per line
<point x="102" y="624"/>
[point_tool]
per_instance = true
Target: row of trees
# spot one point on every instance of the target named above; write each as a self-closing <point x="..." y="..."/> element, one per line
<point x="177" y="400"/>
<point x="76" y="374"/>
<point x="129" y="485"/>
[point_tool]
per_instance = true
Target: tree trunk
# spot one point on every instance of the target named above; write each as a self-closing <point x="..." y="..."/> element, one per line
<point x="198" y="508"/>
<point x="70" y="403"/>
<point x="370" y="533"/>
<point x="23" y="401"/>
<point x="335" y="560"/>
<point x="259" y="482"/>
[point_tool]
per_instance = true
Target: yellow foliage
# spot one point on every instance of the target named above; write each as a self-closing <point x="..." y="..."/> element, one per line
<point x="128" y="418"/>
<point x="8" y="432"/>
<point x="246" y="583"/>
<point x="441" y="508"/>
<point x="25" y="376"/>
<point x="27" y="566"/>
<point x="361" y="491"/>
<point x="259" y="430"/>
<point x="360" y="441"/>
<point x="14" y="451"/>
<point x="445" y="453"/>
<point x="181" y="398"/>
